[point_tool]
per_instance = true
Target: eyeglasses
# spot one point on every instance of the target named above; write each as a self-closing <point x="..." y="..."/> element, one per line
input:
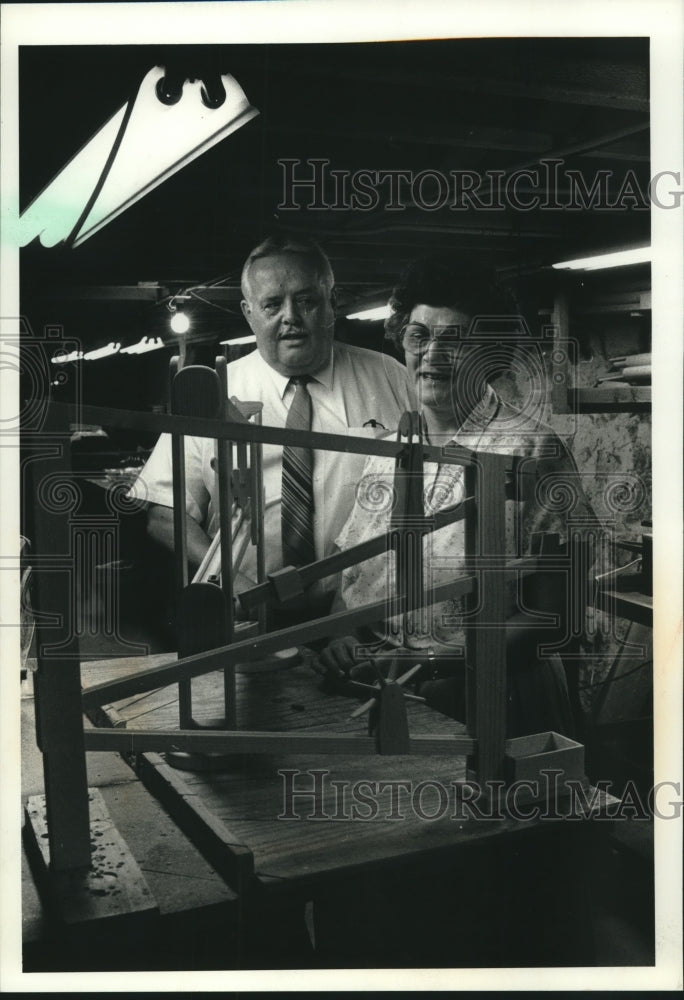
<point x="416" y="338"/>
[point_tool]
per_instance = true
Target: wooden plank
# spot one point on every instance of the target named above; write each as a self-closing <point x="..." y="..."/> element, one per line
<point x="180" y="542"/>
<point x="203" y="623"/>
<point x="634" y="606"/>
<point x="241" y="742"/>
<point x="254" y="649"/>
<point x="160" y="423"/>
<point x="607" y="400"/>
<point x="224" y="851"/>
<point x="485" y="631"/>
<point x="195" y="391"/>
<point x="224" y="474"/>
<point x="178" y="467"/>
<point x="330" y="565"/>
<point x="110" y="886"/>
<point x="258" y="507"/>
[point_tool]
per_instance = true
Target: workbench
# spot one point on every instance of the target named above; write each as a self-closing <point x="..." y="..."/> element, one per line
<point x="331" y="847"/>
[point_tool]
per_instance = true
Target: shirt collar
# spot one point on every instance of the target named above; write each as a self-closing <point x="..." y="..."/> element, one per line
<point x="325" y="376"/>
<point x="482" y="413"/>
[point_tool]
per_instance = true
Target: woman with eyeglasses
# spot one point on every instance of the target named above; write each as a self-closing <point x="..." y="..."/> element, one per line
<point x="457" y="329"/>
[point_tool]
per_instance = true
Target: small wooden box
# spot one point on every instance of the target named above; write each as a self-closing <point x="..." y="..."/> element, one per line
<point x="527" y="756"/>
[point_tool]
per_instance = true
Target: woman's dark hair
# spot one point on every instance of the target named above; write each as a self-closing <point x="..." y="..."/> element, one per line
<point x="447" y="281"/>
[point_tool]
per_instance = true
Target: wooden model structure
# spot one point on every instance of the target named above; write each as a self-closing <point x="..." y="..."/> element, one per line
<point x="218" y="644"/>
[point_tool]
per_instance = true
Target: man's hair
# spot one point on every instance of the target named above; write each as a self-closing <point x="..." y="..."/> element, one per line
<point x="447" y="281"/>
<point x="280" y="243"/>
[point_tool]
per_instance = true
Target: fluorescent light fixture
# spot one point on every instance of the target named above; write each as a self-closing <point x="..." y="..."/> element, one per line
<point x="63" y="358"/>
<point x="156" y="140"/>
<point x="102" y="352"/>
<point x="618" y="258"/>
<point x="249" y="339"/>
<point x="143" y="346"/>
<point x="380" y="312"/>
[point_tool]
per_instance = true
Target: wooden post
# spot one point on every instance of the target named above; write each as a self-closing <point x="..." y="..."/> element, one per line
<point x="194" y="391"/>
<point x="562" y="396"/>
<point x="486" y="627"/>
<point x="180" y="552"/>
<point x="224" y="463"/>
<point x="407" y="525"/>
<point x="258" y="504"/>
<point x="57" y="682"/>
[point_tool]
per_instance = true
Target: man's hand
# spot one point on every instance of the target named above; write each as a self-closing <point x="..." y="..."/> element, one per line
<point x="338" y="658"/>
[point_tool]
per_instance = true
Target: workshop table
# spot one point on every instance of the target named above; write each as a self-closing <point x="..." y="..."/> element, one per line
<point x="390" y="831"/>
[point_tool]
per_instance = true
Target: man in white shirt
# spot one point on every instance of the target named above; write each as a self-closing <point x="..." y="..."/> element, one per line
<point x="289" y="298"/>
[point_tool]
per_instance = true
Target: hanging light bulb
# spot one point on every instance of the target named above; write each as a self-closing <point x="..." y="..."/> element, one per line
<point x="180" y="322"/>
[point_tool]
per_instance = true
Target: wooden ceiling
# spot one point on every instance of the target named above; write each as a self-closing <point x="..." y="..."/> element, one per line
<point x="488" y="106"/>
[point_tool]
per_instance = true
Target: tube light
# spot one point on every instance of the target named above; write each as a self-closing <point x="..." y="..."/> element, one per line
<point x="102" y="352"/>
<point x="380" y="312"/>
<point x="143" y="346"/>
<point x="618" y="258"/>
<point x="142" y="145"/>
<point x="63" y="359"/>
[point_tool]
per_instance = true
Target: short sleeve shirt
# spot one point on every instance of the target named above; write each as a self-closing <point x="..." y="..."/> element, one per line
<point x="360" y="392"/>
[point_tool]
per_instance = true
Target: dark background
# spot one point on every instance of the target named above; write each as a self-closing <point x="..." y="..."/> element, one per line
<point x="489" y="104"/>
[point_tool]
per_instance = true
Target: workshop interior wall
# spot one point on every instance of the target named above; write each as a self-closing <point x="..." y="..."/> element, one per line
<point x="613" y="456"/>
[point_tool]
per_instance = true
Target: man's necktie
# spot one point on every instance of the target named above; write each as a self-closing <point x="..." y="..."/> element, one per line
<point x="297" y="484"/>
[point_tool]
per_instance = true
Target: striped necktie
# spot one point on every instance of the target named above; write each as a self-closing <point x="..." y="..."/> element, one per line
<point x="297" y="483"/>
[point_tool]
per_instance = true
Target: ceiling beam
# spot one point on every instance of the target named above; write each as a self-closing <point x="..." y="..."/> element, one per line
<point x="459" y="136"/>
<point x="612" y="86"/>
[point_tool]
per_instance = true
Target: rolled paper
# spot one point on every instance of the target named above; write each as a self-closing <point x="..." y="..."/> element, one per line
<point x="631" y="359"/>
<point x="638" y="373"/>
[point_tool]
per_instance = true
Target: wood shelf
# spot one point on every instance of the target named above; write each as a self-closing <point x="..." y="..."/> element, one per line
<point x="612" y="400"/>
<point x="625" y="598"/>
<point x="599" y="399"/>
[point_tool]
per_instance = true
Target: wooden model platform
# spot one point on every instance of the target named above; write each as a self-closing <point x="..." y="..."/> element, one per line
<point x="241" y="815"/>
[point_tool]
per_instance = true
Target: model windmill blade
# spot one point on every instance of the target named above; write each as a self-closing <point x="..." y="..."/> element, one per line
<point x="362" y="709"/>
<point x="136" y="150"/>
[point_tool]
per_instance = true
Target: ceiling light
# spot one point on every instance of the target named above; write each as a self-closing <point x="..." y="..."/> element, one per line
<point x="380" y="312"/>
<point x="144" y="345"/>
<point x="143" y="144"/>
<point x="63" y="358"/>
<point x="102" y="352"/>
<point x="618" y="258"/>
<point x="180" y="322"/>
